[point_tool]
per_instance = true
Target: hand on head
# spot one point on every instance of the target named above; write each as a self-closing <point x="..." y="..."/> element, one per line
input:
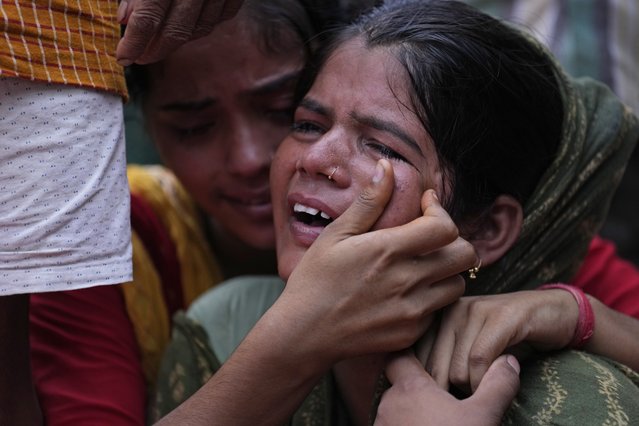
<point x="405" y="273"/>
<point x="415" y="398"/>
<point x="155" y="28"/>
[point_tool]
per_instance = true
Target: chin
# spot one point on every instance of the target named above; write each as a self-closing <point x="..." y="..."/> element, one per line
<point x="260" y="239"/>
<point x="286" y="263"/>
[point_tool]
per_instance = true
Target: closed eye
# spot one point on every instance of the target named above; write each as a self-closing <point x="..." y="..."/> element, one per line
<point x="194" y="131"/>
<point x="387" y="152"/>
<point x="306" y="127"/>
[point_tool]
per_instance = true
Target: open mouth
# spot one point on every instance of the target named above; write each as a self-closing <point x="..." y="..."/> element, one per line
<point x="311" y="216"/>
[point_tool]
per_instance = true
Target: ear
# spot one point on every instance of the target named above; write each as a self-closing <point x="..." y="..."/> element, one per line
<point x="499" y="230"/>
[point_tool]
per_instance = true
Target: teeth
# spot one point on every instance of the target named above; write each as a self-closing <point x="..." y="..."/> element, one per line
<point x="301" y="208"/>
<point x="297" y="208"/>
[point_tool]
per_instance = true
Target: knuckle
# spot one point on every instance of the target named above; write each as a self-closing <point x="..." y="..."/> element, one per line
<point x="450" y="229"/>
<point x="366" y="198"/>
<point x="203" y="29"/>
<point x="145" y="21"/>
<point x="174" y="34"/>
<point x="478" y="358"/>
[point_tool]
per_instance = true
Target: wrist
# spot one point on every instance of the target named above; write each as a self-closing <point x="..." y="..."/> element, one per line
<point x="289" y="339"/>
<point x="585" y="326"/>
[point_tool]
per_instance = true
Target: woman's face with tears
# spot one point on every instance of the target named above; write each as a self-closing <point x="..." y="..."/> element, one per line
<point x="358" y="110"/>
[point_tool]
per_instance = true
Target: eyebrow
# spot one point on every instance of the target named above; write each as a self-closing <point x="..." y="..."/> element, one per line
<point x="316" y="107"/>
<point x="388" y="127"/>
<point x="260" y="89"/>
<point x="376" y="123"/>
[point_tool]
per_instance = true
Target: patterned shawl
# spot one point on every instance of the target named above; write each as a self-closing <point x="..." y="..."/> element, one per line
<point x="572" y="199"/>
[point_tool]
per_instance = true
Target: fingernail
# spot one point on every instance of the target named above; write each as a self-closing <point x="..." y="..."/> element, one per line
<point x="379" y="173"/>
<point x="512" y="361"/>
<point x="435" y="195"/>
<point x="125" y="62"/>
<point x="122" y="10"/>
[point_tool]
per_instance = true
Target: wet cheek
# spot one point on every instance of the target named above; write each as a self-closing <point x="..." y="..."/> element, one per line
<point x="403" y="207"/>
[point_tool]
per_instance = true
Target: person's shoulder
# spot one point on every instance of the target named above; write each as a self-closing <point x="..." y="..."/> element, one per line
<point x="229" y="311"/>
<point x="158" y="187"/>
<point x="149" y="180"/>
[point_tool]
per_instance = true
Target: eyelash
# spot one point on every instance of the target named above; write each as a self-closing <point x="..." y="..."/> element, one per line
<point x="189" y="132"/>
<point x="305" y="127"/>
<point x="386" y="152"/>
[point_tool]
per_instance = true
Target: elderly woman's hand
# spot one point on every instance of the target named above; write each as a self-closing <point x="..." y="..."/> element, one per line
<point x="154" y="28"/>
<point x="365" y="292"/>
<point x="415" y="399"/>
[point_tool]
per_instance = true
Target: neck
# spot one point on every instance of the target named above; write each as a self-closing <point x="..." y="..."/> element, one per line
<point x="238" y="258"/>
<point x="357" y="380"/>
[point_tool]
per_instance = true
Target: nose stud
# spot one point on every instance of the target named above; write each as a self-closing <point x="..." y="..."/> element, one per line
<point x="330" y="177"/>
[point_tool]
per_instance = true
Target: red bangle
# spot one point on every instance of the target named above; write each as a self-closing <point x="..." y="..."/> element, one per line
<point x="586" y="322"/>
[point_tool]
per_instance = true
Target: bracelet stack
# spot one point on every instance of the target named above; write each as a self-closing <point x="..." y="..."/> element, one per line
<point x="586" y="322"/>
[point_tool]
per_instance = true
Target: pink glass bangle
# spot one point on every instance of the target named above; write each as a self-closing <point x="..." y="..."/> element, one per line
<point x="586" y="322"/>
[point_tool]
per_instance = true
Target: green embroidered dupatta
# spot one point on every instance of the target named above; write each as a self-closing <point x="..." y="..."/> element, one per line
<point x="562" y="388"/>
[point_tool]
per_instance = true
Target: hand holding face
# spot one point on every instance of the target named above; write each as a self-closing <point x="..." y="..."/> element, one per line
<point x="154" y="28"/>
<point x="475" y="330"/>
<point x="356" y="292"/>
<point x="415" y="398"/>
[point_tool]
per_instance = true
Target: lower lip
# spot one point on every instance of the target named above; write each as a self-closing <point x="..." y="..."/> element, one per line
<point x="304" y="234"/>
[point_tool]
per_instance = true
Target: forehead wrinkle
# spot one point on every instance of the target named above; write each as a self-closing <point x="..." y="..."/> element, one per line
<point x="268" y="86"/>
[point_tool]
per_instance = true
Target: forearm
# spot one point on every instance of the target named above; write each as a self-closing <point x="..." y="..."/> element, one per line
<point x="264" y="381"/>
<point x="616" y="335"/>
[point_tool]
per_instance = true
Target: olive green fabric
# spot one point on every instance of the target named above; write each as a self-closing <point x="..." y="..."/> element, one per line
<point x="575" y="388"/>
<point x="570" y="204"/>
<point x="227" y="315"/>
<point x="562" y="388"/>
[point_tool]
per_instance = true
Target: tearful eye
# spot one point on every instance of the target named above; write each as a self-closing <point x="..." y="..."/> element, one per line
<point x="305" y="127"/>
<point x="387" y="152"/>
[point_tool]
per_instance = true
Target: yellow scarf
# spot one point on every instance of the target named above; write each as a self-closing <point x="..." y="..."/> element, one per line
<point x="198" y="266"/>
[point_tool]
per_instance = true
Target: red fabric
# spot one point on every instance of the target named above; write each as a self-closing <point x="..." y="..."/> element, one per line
<point x="615" y="282"/>
<point x="85" y="358"/>
<point x="161" y="249"/>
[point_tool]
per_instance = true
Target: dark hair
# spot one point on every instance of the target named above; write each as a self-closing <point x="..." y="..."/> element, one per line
<point x="273" y="22"/>
<point x="487" y="96"/>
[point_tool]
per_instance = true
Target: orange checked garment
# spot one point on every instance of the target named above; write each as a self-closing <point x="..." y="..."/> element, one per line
<point x="62" y="41"/>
